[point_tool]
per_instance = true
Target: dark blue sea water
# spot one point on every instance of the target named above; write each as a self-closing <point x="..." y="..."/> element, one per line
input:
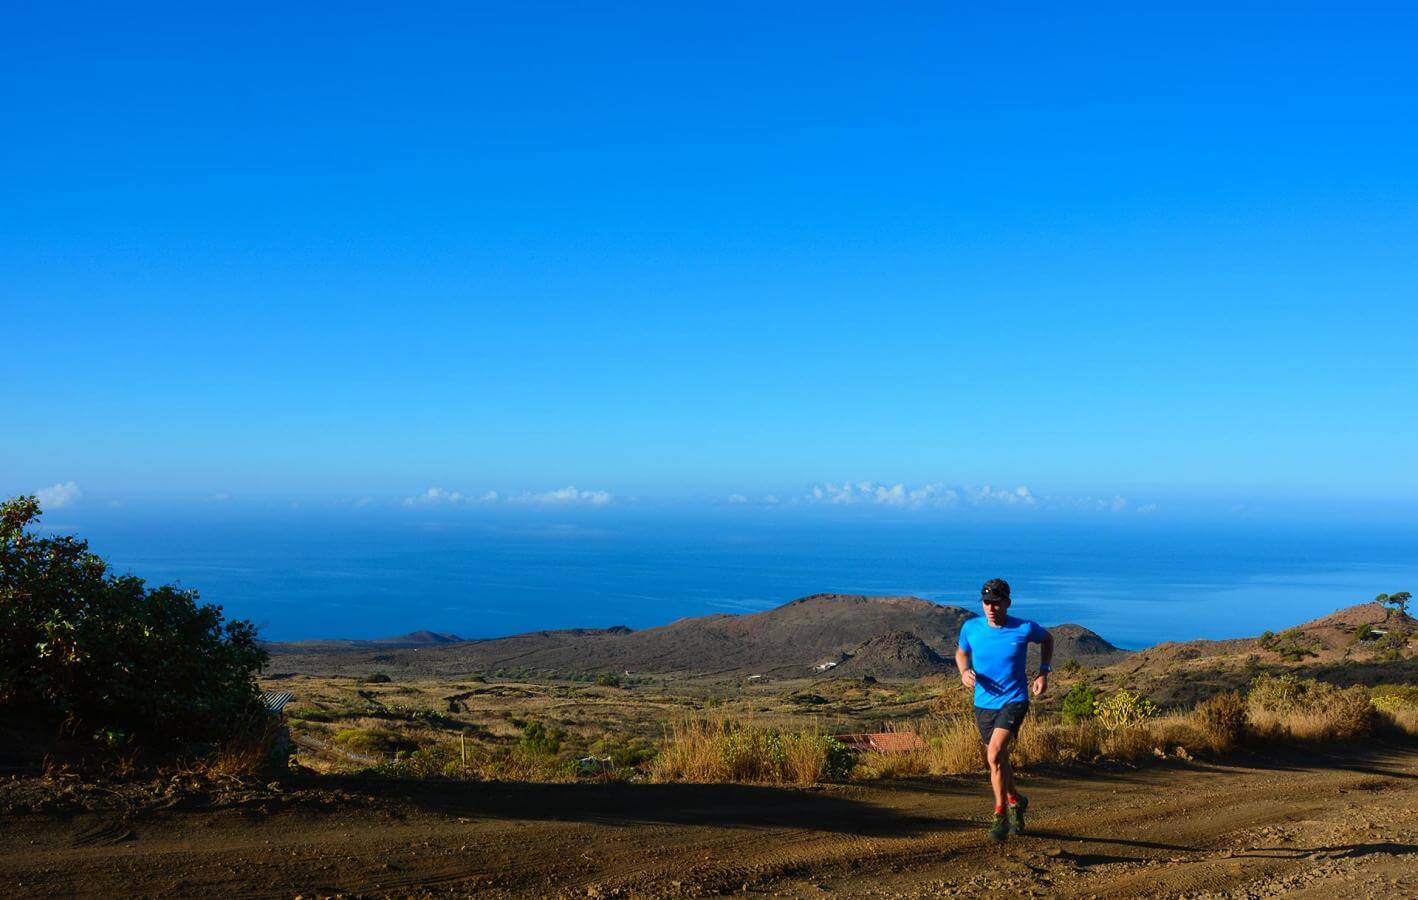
<point x="326" y="575"/>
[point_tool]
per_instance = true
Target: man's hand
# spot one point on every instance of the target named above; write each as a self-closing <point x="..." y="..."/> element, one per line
<point x="967" y="677"/>
<point x="1041" y="684"/>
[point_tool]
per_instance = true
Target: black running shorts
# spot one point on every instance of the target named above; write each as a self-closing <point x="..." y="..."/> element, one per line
<point x="1009" y="717"/>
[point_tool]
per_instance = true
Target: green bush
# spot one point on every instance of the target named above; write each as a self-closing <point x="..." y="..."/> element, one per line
<point x="608" y="679"/>
<point x="114" y="657"/>
<point x="375" y="678"/>
<point x="840" y="760"/>
<point x="1078" y="704"/>
<point x="539" y="740"/>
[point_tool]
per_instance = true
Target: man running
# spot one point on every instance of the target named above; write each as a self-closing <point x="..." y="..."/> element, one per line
<point x="991" y="659"/>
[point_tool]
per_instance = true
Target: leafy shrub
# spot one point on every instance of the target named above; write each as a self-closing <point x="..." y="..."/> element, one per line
<point x="623" y="752"/>
<point x="1078" y="704"/>
<point x="1389" y="697"/>
<point x="539" y="740"/>
<point x="375" y="678"/>
<point x="1124" y="710"/>
<point x="608" y="679"/>
<point x="137" y="664"/>
<point x="1278" y="693"/>
<point x="1223" y="721"/>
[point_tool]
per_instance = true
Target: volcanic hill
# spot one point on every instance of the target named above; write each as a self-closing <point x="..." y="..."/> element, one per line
<point x="793" y="640"/>
<point x="896" y="654"/>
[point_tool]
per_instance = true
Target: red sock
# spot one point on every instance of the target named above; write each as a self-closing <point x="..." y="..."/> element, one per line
<point x="998" y="809"/>
<point x="1013" y="799"/>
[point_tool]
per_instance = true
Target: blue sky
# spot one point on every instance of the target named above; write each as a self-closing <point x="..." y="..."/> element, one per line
<point x="702" y="253"/>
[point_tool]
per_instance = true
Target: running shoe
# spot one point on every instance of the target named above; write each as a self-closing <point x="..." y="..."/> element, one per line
<point x="1000" y="829"/>
<point x="1016" y="815"/>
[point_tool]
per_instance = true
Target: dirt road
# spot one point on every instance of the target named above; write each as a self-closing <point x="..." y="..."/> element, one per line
<point x="1338" y="824"/>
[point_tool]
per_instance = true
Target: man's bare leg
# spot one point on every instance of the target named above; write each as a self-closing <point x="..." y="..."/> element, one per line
<point x="1001" y="772"/>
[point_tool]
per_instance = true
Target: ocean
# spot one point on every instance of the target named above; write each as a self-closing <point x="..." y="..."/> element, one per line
<point x="367" y="574"/>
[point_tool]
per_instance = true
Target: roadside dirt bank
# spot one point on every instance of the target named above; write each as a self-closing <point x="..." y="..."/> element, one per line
<point x="1331" y="824"/>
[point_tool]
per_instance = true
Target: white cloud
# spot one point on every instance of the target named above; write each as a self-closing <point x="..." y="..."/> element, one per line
<point x="566" y="496"/>
<point x="737" y="499"/>
<point x="489" y="497"/>
<point x="435" y="496"/>
<point x="935" y="494"/>
<point x="1019" y="496"/>
<point x="59" y="495"/>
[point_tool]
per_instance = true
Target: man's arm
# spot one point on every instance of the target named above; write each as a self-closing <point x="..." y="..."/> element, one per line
<point x="1046" y="658"/>
<point x="967" y="671"/>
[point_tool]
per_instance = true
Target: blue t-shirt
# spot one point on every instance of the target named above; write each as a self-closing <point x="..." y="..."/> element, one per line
<point x="998" y="655"/>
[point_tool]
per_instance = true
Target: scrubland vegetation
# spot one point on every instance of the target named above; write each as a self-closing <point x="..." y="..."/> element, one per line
<point x="661" y="736"/>
<point x="118" y="668"/>
<point x="1123" y="727"/>
<point x="106" y="664"/>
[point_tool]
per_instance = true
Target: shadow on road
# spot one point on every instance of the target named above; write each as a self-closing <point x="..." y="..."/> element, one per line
<point x="1340" y="851"/>
<point x="1121" y="842"/>
<point x="613" y="805"/>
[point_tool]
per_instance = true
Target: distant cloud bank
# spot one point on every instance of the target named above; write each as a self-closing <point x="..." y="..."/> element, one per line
<point x="567" y="496"/>
<point x="939" y="495"/>
<point x="564" y="497"/>
<point x="864" y="494"/>
<point x="935" y="494"/>
<point x="59" y="495"/>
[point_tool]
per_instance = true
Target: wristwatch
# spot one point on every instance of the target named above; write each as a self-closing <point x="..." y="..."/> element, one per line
<point x="1045" y="668"/>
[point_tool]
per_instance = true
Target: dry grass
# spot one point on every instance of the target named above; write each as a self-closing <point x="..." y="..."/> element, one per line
<point x="955" y="746"/>
<point x="1223" y="721"/>
<point x="1041" y="743"/>
<point x="1400" y="720"/>
<point x="1311" y="711"/>
<point x="805" y="759"/>
<point x="253" y="751"/>
<point x="716" y="749"/>
<point x="778" y="734"/>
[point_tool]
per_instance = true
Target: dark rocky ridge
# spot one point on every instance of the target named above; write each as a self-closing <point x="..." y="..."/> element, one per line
<point x="896" y="654"/>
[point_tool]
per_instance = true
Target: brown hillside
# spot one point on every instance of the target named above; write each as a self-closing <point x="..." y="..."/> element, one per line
<point x="787" y="641"/>
<point x="1334" y="648"/>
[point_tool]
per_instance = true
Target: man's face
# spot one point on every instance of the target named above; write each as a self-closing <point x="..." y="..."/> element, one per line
<point x="995" y="609"/>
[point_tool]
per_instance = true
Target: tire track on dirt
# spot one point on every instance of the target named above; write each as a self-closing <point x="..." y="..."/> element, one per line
<point x="1265" y="826"/>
